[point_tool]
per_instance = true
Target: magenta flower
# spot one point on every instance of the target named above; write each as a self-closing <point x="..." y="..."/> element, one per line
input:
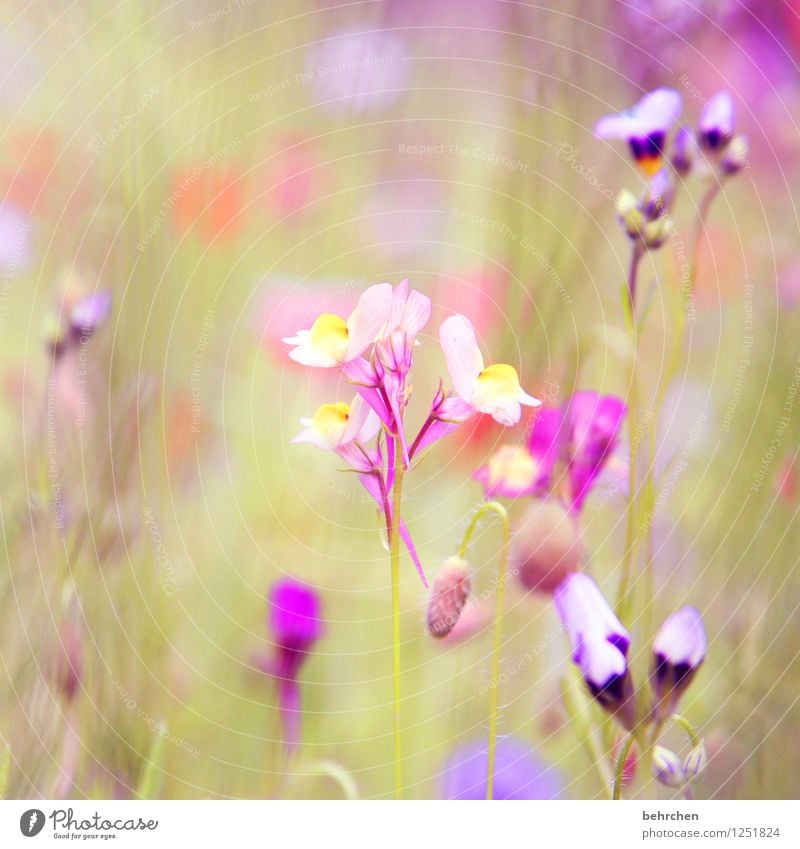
<point x="679" y="650"/>
<point x="294" y="620"/>
<point x="599" y="644"/>
<point x="518" y="773"/>
<point x="644" y="126"/>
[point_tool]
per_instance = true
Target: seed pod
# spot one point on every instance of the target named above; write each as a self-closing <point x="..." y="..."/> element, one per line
<point x="448" y="597"/>
<point x="546" y="547"/>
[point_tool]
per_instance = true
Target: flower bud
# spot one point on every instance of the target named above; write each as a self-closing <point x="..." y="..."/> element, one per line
<point x="546" y="547"/>
<point x="717" y="122"/>
<point x="629" y="213"/>
<point x="678" y="652"/>
<point x="736" y="156"/>
<point x="696" y="762"/>
<point x="655" y="232"/>
<point x="667" y="768"/>
<point x="448" y="597"/>
<point x="683" y="152"/>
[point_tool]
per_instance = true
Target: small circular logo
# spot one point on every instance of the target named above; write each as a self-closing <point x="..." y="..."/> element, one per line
<point x="31" y="822"/>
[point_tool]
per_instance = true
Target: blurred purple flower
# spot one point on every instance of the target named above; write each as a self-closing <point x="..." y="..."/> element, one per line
<point x="294" y="619"/>
<point x="644" y="126"/>
<point x="679" y="650"/>
<point x="519" y="774"/>
<point x="89" y="313"/>
<point x="599" y="644"/>
<point x="357" y="70"/>
<point x="717" y="122"/>
<point x="15" y="247"/>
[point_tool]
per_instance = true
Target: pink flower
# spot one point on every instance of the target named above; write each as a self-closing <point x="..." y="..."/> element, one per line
<point x="494" y="390"/>
<point x="512" y="471"/>
<point x="333" y="341"/>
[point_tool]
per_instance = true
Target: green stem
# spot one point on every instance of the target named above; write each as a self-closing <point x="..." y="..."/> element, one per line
<point x="394" y="554"/>
<point x="623" y="756"/>
<point x="631" y="534"/>
<point x="687" y="726"/>
<point x="494" y="686"/>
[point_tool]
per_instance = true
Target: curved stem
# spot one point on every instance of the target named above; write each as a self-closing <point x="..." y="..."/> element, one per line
<point x="394" y="556"/>
<point x="687" y="726"/>
<point x="699" y="229"/>
<point x="494" y="687"/>
<point x="618" y="772"/>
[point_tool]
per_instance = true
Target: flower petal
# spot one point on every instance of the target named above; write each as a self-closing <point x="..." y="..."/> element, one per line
<point x="368" y="318"/>
<point x="463" y="356"/>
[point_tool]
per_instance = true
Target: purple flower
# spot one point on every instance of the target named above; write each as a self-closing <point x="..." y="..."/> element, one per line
<point x="599" y="644"/>
<point x="295" y="623"/>
<point x="584" y="434"/>
<point x="518" y="773"/>
<point x="89" y="313"/>
<point x="717" y="122"/>
<point x="683" y="151"/>
<point x="679" y="650"/>
<point x="644" y="126"/>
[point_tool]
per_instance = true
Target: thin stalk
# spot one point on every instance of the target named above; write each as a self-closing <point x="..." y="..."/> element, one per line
<point x="618" y="772"/>
<point x="631" y="534"/>
<point x="394" y="556"/>
<point x="494" y="686"/>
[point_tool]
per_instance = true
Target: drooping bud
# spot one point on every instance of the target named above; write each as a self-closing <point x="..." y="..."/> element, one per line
<point x="683" y="152"/>
<point x="546" y="547"/>
<point x="678" y="652"/>
<point x="451" y="589"/>
<point x="667" y="768"/>
<point x="696" y="762"/>
<point x="736" y="156"/>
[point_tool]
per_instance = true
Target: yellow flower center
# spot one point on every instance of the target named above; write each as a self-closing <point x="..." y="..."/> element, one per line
<point x="512" y="465"/>
<point x="496" y="382"/>
<point x="330" y="420"/>
<point x="650" y="165"/>
<point x="329" y="336"/>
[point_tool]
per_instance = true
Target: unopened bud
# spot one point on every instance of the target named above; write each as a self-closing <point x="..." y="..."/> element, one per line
<point x="449" y="595"/>
<point x="629" y="213"/>
<point x="667" y="768"/>
<point x="656" y="232"/>
<point x="68" y="661"/>
<point x="736" y="155"/>
<point x="546" y="547"/>
<point x="696" y="762"/>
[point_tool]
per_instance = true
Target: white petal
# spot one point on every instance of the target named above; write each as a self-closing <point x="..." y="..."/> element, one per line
<point x="463" y="356"/>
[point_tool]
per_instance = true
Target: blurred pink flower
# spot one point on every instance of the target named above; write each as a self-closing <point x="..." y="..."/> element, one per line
<point x="357" y="70"/>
